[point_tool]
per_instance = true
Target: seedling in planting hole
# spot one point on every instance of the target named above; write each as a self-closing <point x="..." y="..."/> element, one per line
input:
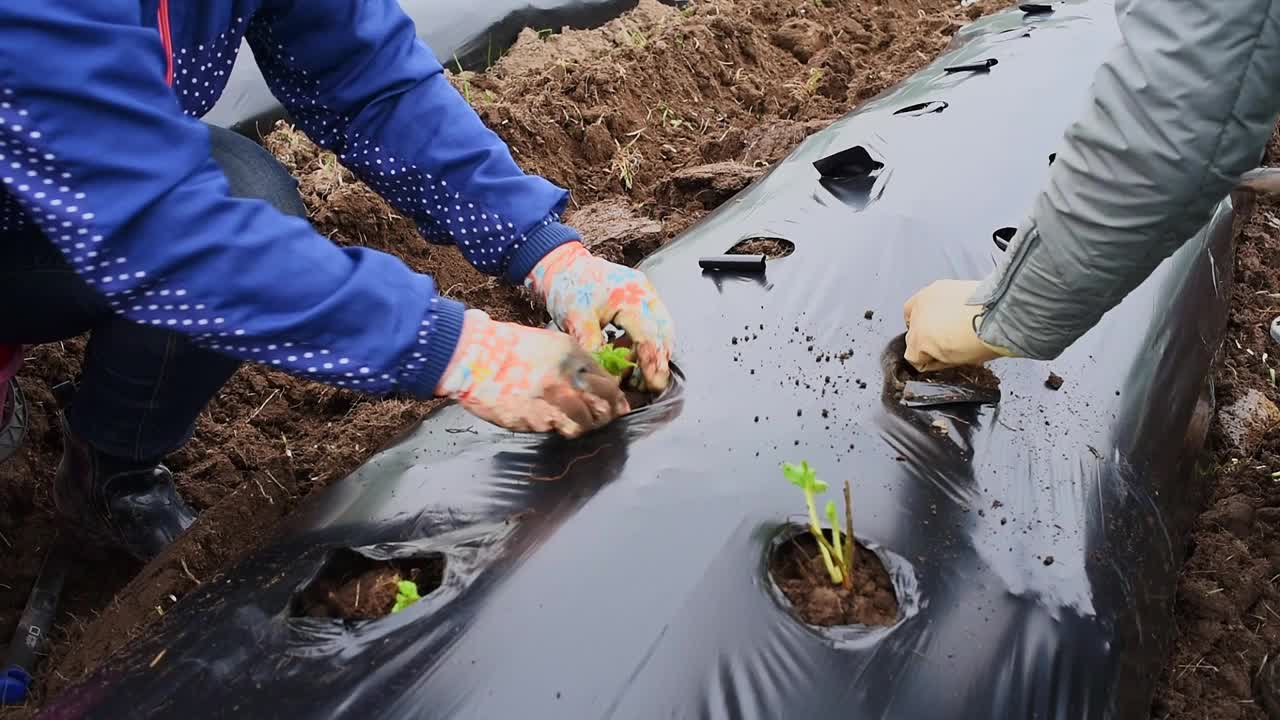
<point x="406" y="595"/>
<point x="614" y="360"/>
<point x="837" y="553"/>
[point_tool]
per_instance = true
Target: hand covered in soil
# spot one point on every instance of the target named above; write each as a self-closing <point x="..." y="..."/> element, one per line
<point x="584" y="293"/>
<point x="942" y="328"/>
<point x="529" y="379"/>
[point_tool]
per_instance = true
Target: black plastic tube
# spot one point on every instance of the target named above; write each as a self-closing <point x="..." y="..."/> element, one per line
<point x="33" y="628"/>
<point x="733" y="263"/>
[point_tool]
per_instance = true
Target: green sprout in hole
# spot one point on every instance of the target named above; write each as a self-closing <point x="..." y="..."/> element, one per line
<point x="614" y="360"/>
<point x="406" y="595"/>
<point x="837" y="552"/>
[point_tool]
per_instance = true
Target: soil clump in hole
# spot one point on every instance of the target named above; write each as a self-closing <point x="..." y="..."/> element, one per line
<point x="354" y="587"/>
<point x="772" y="248"/>
<point x="797" y="567"/>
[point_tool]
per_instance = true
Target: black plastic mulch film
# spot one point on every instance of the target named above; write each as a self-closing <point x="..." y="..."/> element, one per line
<point x="1034" y="547"/>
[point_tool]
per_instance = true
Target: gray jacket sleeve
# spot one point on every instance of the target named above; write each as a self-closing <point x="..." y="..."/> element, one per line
<point x="1178" y="112"/>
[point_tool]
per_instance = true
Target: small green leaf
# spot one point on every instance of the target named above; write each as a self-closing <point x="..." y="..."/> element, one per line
<point x="614" y="360"/>
<point x="406" y="595"/>
<point x="804" y="477"/>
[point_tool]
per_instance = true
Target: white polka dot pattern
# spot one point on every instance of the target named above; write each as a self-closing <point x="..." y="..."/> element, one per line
<point x="200" y="69"/>
<point x="38" y="189"/>
<point x="486" y="237"/>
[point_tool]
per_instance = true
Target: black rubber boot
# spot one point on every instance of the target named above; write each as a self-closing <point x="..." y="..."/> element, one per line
<point x="13" y="421"/>
<point x="131" y="505"/>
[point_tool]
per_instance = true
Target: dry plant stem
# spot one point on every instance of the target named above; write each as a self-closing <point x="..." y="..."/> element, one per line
<point x="848" y="537"/>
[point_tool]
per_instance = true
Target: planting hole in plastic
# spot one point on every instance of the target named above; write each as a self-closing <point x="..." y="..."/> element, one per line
<point x="924" y="108"/>
<point x="352" y="586"/>
<point x="771" y="247"/>
<point x="1052" y="157"/>
<point x="798" y="571"/>
<point x="1003" y="237"/>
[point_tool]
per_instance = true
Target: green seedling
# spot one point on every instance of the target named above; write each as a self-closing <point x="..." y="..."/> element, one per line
<point x="614" y="360"/>
<point x="837" y="553"/>
<point x="406" y="595"/>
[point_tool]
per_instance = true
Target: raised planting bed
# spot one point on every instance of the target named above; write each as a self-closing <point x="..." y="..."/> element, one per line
<point x="1030" y="553"/>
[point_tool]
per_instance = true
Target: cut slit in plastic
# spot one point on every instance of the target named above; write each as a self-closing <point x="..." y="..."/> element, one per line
<point x="1003" y="237"/>
<point x="981" y="66"/>
<point x="850" y="175"/>
<point x="924" y="108"/>
<point x="855" y="162"/>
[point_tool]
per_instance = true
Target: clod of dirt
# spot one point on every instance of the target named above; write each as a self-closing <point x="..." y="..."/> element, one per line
<point x="1234" y="514"/>
<point x="797" y="568"/>
<point x="801" y="38"/>
<point x="612" y="229"/>
<point x="354" y="587"/>
<point x="869" y="314"/>
<point x="707" y="185"/>
<point x="1054" y="381"/>
<point x="1248" y="419"/>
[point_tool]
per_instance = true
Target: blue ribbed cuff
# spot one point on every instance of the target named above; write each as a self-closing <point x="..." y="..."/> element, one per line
<point x="530" y="251"/>
<point x="446" y="322"/>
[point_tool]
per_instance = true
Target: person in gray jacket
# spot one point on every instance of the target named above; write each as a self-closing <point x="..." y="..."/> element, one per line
<point x="1178" y="113"/>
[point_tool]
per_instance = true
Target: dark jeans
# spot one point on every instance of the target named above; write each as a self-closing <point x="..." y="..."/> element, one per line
<point x="141" y="388"/>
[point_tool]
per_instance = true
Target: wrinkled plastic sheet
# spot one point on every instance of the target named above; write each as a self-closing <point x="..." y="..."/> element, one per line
<point x="471" y="34"/>
<point x="623" y="575"/>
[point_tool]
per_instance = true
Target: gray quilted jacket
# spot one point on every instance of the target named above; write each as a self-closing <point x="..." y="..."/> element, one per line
<point x="1178" y="112"/>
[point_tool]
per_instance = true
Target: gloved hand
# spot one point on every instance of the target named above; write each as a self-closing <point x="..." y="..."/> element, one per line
<point x="529" y="379"/>
<point x="941" y="328"/>
<point x="584" y="293"/>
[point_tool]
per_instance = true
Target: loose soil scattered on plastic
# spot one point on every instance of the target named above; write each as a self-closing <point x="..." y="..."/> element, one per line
<point x="353" y="587"/>
<point x="651" y="121"/>
<point x="798" y="569"/>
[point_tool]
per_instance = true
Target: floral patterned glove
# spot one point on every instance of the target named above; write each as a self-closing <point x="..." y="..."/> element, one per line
<point x="529" y="379"/>
<point x="584" y="293"/>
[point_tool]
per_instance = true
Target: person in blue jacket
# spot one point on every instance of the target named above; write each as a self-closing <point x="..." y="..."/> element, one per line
<point x="183" y="249"/>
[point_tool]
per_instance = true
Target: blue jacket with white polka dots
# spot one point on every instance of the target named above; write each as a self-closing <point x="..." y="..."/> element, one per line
<point x="101" y="148"/>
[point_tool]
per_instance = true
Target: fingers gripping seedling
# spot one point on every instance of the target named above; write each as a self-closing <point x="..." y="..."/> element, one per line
<point x="837" y="553"/>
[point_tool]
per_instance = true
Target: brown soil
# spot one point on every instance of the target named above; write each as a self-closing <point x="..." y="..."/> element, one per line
<point x="1227" y="607"/>
<point x="651" y="121"/>
<point x="1054" y="381"/>
<point x="772" y="248"/>
<point x="798" y="569"/>
<point x="354" y="587"/>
